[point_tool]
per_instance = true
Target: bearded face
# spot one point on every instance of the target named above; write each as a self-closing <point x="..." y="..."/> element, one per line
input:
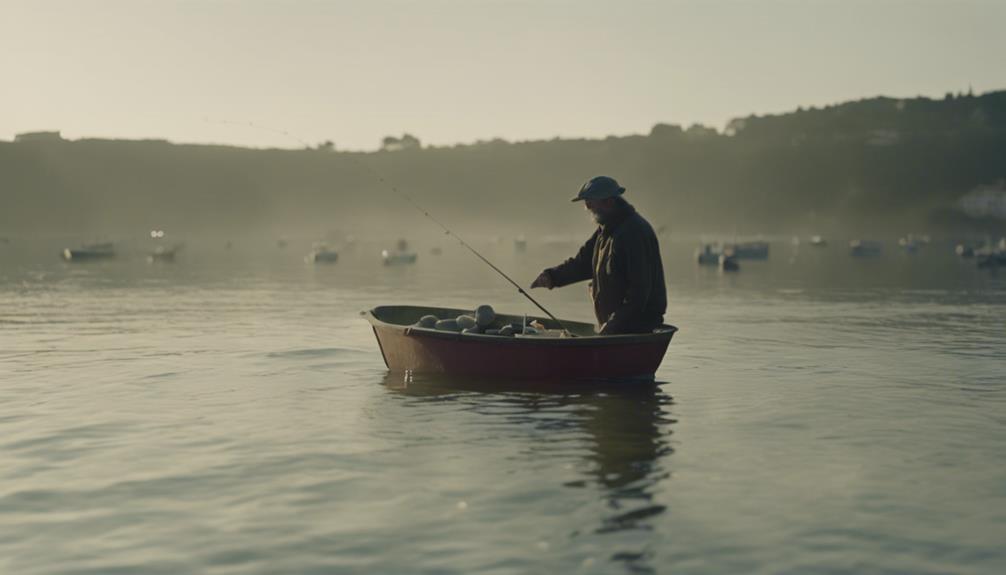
<point x="600" y="210"/>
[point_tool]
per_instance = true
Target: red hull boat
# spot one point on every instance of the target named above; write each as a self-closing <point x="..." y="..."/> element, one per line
<point x="408" y="348"/>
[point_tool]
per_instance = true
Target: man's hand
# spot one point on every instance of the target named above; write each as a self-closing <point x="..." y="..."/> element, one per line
<point x="543" y="280"/>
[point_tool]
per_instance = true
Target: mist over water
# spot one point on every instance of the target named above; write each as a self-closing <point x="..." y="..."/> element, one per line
<point x="200" y="200"/>
<point x="230" y="412"/>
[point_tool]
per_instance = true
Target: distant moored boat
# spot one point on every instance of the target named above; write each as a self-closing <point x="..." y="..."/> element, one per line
<point x="322" y="254"/>
<point x="750" y="250"/>
<point x="89" y="252"/>
<point x="398" y="258"/>
<point x="728" y="263"/>
<point x="865" y="248"/>
<point x="992" y="256"/>
<point x="163" y="254"/>
<point x="909" y="243"/>
<point x="520" y="243"/>
<point x="707" y="255"/>
<point x="992" y="260"/>
<point x="401" y="255"/>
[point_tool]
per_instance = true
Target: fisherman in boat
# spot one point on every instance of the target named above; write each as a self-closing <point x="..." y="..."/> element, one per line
<point x="622" y="260"/>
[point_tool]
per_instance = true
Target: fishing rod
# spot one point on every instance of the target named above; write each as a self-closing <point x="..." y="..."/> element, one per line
<point x="461" y="241"/>
<point x="422" y="210"/>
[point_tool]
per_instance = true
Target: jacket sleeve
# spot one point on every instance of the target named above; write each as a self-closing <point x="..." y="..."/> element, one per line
<point x="633" y="251"/>
<point x="577" y="268"/>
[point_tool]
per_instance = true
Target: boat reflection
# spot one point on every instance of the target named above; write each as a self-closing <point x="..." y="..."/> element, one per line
<point x="627" y="425"/>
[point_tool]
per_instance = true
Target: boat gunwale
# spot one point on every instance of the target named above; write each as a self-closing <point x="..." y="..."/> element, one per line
<point x="662" y="333"/>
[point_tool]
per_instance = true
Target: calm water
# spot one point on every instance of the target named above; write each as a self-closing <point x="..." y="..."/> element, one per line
<point x="231" y="413"/>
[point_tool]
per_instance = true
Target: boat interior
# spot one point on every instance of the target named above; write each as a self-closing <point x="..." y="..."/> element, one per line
<point x="405" y="315"/>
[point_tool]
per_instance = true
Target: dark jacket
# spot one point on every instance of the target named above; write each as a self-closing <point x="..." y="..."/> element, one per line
<point x="623" y="260"/>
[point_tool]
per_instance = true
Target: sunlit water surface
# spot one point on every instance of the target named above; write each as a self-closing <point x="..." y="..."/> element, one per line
<point x="231" y="413"/>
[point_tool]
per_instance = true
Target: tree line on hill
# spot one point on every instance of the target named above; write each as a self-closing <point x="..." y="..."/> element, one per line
<point x="873" y="165"/>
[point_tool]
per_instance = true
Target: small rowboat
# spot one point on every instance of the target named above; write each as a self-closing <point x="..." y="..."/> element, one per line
<point x="408" y="348"/>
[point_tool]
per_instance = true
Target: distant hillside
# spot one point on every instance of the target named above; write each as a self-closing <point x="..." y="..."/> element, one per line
<point x="873" y="165"/>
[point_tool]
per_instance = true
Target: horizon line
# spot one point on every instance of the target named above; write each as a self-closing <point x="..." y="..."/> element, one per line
<point x="305" y="146"/>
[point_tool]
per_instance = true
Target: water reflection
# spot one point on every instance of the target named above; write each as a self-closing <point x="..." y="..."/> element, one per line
<point x="627" y="426"/>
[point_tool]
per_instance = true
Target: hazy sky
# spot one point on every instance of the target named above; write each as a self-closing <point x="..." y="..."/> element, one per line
<point x="354" y="71"/>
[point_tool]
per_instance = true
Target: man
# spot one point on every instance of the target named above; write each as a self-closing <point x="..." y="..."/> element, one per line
<point x="623" y="260"/>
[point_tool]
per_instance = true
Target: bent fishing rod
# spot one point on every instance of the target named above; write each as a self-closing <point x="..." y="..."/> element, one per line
<point x="422" y="210"/>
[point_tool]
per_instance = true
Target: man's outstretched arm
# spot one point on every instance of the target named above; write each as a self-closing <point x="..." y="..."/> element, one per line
<point x="576" y="269"/>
